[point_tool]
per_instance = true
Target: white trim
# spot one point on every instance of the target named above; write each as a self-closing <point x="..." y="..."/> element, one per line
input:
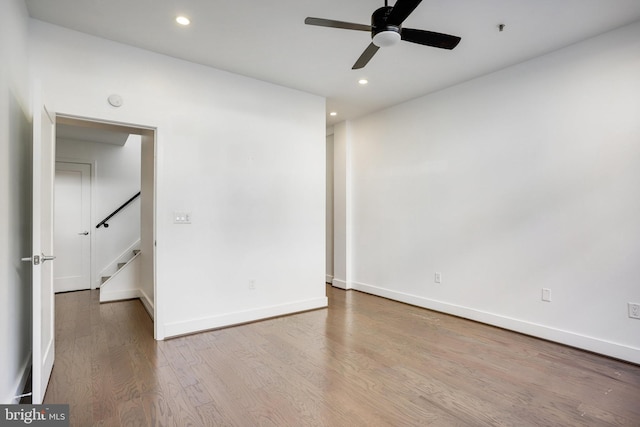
<point x="239" y="317"/>
<point x="342" y="284"/>
<point x="124" y="281"/>
<point x="607" y="348"/>
<point x="111" y="269"/>
<point x="328" y="279"/>
<point x="20" y="382"/>
<point x="146" y="302"/>
<point x="119" y="295"/>
<point x="128" y="295"/>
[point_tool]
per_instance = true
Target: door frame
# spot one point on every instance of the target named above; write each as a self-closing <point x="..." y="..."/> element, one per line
<point x="149" y="193"/>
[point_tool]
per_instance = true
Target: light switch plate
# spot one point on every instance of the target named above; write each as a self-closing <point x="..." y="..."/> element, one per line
<point x="634" y="310"/>
<point x="182" y="217"/>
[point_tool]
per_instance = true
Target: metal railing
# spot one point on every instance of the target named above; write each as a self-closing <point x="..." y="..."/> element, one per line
<point x="104" y="221"/>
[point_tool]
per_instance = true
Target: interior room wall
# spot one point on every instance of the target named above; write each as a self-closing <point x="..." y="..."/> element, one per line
<point x="15" y="201"/>
<point x="147" y="228"/>
<point x="116" y="178"/>
<point x="342" y="202"/>
<point x="520" y="180"/>
<point x="329" y="210"/>
<point x="245" y="158"/>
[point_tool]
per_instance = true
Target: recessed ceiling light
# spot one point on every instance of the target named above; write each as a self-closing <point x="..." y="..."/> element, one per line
<point x="183" y="20"/>
<point x="363" y="81"/>
<point x="333" y="113"/>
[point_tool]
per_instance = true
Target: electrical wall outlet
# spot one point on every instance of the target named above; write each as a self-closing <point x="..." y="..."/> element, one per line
<point x="252" y="284"/>
<point x="437" y="277"/>
<point x="546" y="294"/>
<point x="634" y="310"/>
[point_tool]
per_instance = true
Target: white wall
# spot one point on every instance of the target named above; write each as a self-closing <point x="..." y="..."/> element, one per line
<point x="342" y="202"/>
<point x="15" y="204"/>
<point x="245" y="157"/>
<point x="524" y="179"/>
<point x="115" y="178"/>
<point x="148" y="220"/>
<point x="329" y="210"/>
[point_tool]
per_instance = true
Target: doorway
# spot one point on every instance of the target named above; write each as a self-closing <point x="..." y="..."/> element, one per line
<point x="146" y="142"/>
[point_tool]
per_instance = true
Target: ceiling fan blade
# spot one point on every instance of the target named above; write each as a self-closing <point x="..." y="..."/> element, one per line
<point x="365" y="57"/>
<point x="429" y="38"/>
<point x="336" y="24"/>
<point x="401" y="10"/>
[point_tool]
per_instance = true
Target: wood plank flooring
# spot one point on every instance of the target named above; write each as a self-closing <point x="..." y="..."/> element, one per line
<point x="364" y="361"/>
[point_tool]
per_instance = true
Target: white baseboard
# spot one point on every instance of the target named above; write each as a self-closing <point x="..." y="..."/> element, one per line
<point x="607" y="348"/>
<point x="110" y="296"/>
<point x="328" y="279"/>
<point x="127" y="295"/>
<point x="340" y="284"/>
<point x="230" y="319"/>
<point x="146" y="302"/>
<point x="19" y="383"/>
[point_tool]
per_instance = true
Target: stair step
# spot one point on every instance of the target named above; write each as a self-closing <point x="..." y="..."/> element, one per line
<point x="121" y="264"/>
<point x="104" y="279"/>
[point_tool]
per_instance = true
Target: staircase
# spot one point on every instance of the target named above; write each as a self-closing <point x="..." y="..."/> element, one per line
<point x="124" y="283"/>
<point x="105" y="279"/>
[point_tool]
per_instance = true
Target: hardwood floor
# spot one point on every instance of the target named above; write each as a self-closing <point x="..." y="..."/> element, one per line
<point x="364" y="361"/>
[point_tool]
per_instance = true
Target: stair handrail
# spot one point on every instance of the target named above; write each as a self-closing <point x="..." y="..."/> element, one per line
<point x="104" y="221"/>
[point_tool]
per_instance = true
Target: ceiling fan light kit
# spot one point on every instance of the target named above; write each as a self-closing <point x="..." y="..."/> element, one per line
<point x="386" y="30"/>
<point x="386" y="38"/>
<point x="383" y="34"/>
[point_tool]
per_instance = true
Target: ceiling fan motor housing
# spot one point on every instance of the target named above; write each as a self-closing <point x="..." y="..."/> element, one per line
<point x="383" y="34"/>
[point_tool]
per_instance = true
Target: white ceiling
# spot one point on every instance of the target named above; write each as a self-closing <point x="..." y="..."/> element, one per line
<point x="268" y="40"/>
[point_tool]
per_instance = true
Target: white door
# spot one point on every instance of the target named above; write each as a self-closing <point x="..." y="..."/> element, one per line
<point x="43" y="337"/>
<point x="72" y="227"/>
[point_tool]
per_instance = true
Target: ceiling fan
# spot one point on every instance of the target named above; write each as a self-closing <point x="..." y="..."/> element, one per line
<point x="386" y="30"/>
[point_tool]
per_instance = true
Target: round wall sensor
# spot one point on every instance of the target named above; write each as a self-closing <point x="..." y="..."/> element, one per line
<point x="115" y="100"/>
